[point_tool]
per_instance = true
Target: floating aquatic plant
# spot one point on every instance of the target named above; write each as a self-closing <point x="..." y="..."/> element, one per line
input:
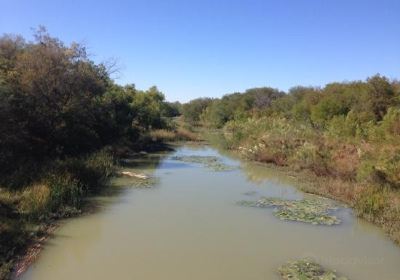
<point x="313" y="211"/>
<point x="307" y="270"/>
<point x="211" y="162"/>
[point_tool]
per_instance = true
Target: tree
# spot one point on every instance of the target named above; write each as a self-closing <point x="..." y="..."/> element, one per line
<point x="192" y="110"/>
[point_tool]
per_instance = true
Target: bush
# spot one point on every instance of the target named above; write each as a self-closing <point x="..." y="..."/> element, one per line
<point x="382" y="168"/>
<point x="372" y="202"/>
<point x="65" y="191"/>
<point x="388" y="170"/>
<point x="390" y="124"/>
<point x="307" y="157"/>
<point x="92" y="173"/>
<point x="99" y="168"/>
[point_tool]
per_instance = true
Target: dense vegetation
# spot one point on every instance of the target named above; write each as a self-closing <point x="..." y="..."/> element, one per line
<point x="63" y="120"/>
<point x="345" y="135"/>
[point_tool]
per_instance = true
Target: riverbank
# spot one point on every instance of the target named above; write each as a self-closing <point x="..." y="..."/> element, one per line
<point x="305" y="180"/>
<point x="29" y="216"/>
<point x="371" y="200"/>
<point x="132" y="234"/>
<point x="64" y="122"/>
<point x="361" y="198"/>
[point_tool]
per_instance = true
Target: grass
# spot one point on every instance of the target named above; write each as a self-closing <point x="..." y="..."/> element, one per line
<point x="177" y="130"/>
<point x="179" y="134"/>
<point x="59" y="192"/>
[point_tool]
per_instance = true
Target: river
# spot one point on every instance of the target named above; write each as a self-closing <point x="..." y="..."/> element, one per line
<point x="189" y="226"/>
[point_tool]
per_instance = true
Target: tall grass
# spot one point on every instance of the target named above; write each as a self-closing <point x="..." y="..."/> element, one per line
<point x="58" y="192"/>
<point x="179" y="134"/>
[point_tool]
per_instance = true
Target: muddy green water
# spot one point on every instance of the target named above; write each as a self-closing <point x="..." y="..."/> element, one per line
<point x="190" y="227"/>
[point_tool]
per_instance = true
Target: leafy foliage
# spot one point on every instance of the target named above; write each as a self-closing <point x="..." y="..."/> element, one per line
<point x="57" y="103"/>
<point x="193" y="109"/>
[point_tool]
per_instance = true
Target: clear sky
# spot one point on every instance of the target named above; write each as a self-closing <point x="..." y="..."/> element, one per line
<point x="193" y="48"/>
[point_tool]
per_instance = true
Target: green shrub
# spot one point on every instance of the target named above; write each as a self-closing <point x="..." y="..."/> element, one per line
<point x="388" y="169"/>
<point x="100" y="167"/>
<point x="91" y="173"/>
<point x="390" y="124"/>
<point x="339" y="126"/>
<point x="372" y="202"/>
<point x="65" y="191"/>
<point x="365" y="172"/>
<point x="381" y="170"/>
<point x="305" y="156"/>
<point x="328" y="107"/>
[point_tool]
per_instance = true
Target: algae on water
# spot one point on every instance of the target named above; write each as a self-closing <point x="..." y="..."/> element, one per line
<point x="313" y="211"/>
<point x="214" y="163"/>
<point x="307" y="270"/>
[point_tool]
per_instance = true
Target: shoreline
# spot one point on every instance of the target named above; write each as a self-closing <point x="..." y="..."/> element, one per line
<point x="33" y="250"/>
<point x="332" y="188"/>
<point x="344" y="191"/>
<point x="304" y="180"/>
<point x="35" y="243"/>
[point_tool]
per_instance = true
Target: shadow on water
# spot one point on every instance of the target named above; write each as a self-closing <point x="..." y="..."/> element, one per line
<point x="144" y="161"/>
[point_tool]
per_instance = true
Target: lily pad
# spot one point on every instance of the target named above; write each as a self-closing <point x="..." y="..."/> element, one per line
<point x="307" y="270"/>
<point x="211" y="162"/>
<point x="313" y="211"/>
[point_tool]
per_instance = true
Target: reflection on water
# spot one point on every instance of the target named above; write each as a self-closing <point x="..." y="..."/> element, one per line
<point x="190" y="227"/>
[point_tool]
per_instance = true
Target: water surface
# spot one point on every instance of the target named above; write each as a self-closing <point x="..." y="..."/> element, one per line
<point x="189" y="227"/>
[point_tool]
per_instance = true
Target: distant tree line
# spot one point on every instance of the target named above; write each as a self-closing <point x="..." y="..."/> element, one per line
<point x="361" y="101"/>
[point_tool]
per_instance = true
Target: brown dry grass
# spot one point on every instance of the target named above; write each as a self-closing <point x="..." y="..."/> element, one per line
<point x="34" y="200"/>
<point x="162" y="135"/>
<point x="180" y="134"/>
<point x="185" y="134"/>
<point x="345" y="161"/>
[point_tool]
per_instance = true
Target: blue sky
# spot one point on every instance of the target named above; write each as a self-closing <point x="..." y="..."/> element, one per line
<point x="212" y="47"/>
